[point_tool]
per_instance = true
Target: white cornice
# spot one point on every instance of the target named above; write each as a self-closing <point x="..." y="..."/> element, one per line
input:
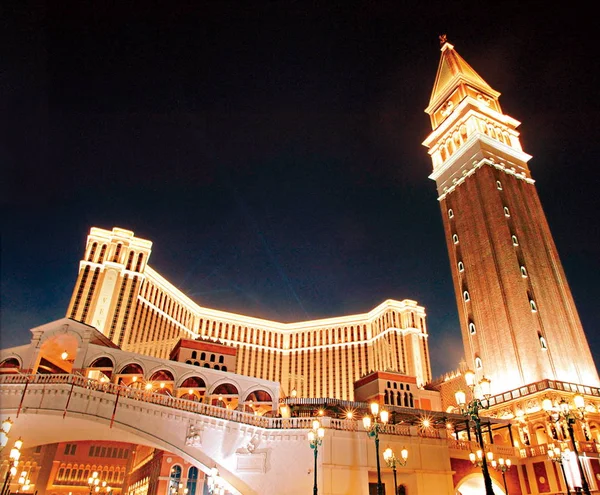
<point x="517" y="155"/>
<point x="480" y="163"/>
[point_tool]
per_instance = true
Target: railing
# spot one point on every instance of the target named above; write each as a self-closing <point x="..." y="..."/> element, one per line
<point x="126" y="392"/>
<point x="541" y="386"/>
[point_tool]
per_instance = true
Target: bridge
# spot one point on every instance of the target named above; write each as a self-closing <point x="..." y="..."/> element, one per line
<point x="97" y="394"/>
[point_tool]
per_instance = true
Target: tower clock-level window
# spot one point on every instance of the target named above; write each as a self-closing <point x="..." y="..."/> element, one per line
<point x="478" y="363"/>
<point x="466" y="296"/>
<point x="506" y="212"/>
<point x="472" y="329"/>
<point x="515" y="241"/>
<point x="523" y="272"/>
<point x="450" y="213"/>
<point x="455" y="239"/>
<point x="461" y="266"/>
<point x="499" y="185"/>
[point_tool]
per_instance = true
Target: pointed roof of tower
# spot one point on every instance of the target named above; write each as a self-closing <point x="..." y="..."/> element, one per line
<point x="454" y="70"/>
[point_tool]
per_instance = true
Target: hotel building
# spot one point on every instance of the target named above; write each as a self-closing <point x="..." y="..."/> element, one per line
<point x="118" y="293"/>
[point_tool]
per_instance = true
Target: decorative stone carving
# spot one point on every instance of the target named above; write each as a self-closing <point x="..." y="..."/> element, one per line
<point x="249" y="447"/>
<point x="193" y="437"/>
<point x="250" y="459"/>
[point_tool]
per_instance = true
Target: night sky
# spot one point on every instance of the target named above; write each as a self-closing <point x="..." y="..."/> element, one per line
<point x="272" y="151"/>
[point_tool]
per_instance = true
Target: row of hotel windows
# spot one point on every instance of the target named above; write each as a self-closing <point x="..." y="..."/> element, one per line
<point x="206" y="365"/>
<point x="395" y="399"/>
<point x="203" y="357"/>
<point x="225" y="331"/>
<point x="221" y="330"/>
<point x="98" y="451"/>
<point x="80" y="474"/>
<point x="116" y="256"/>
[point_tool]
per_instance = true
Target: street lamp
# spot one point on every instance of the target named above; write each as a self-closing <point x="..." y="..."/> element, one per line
<point x="502" y="465"/>
<point x="557" y="455"/>
<point x="6" y="424"/>
<point x="15" y="454"/>
<point x="471" y="411"/>
<point x="93" y="481"/>
<point x="177" y="490"/>
<point x="392" y="461"/>
<point x="564" y="411"/>
<point x="315" y="439"/>
<point x="373" y="427"/>
<point x="215" y="483"/>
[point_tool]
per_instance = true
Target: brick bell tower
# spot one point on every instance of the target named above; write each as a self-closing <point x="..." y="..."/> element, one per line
<point x="518" y="319"/>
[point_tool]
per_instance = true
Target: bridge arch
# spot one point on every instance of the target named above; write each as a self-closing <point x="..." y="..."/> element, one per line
<point x="473" y="484"/>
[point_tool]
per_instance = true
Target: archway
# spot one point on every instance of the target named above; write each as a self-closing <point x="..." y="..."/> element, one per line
<point x="474" y="485"/>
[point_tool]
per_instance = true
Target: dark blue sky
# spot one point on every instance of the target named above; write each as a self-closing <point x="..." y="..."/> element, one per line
<point x="272" y="150"/>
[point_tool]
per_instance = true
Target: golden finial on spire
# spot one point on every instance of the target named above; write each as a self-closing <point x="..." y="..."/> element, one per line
<point x="443" y="39"/>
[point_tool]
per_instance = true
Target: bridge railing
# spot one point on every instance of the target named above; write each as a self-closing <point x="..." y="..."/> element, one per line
<point x="147" y="396"/>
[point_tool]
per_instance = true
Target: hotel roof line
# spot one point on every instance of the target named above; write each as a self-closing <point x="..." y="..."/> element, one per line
<point x="275" y="325"/>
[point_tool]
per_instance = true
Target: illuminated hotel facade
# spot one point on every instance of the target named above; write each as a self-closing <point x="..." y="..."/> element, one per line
<point x="118" y="293"/>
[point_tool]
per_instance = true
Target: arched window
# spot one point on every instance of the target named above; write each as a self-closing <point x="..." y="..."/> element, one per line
<point x="533" y="306"/>
<point x="206" y="365"/>
<point x="543" y="343"/>
<point x="216" y="366"/>
<point x="192" y="480"/>
<point x="386" y="397"/>
<point x="212" y="358"/>
<point x="203" y="356"/>
<point x="129" y="260"/>
<point x="92" y="251"/>
<point x="506" y="212"/>
<point x="455" y="239"/>
<point x="450" y="213"/>
<point x="223" y="368"/>
<point x="102" y="251"/>
<point x="174" y="479"/>
<point x="194" y="354"/>
<point x="221" y="359"/>
<point x="499" y="185"/>
<point x="515" y="241"/>
<point x="472" y="329"/>
<point x="117" y="252"/>
<point x="523" y="272"/>
<point x="411" y="400"/>
<point x="478" y="363"/>
<point x="466" y="296"/>
<point x="138" y="266"/>
<point x="461" y="266"/>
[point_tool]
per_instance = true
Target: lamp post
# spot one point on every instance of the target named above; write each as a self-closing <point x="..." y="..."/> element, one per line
<point x="178" y="490"/>
<point x="373" y="427"/>
<point x="15" y="454"/>
<point x="564" y="411"/>
<point x="502" y="465"/>
<point x="215" y="483"/>
<point x="93" y="481"/>
<point x="6" y="424"/>
<point x="556" y="455"/>
<point x="471" y="411"/>
<point x="392" y="461"/>
<point x="315" y="439"/>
